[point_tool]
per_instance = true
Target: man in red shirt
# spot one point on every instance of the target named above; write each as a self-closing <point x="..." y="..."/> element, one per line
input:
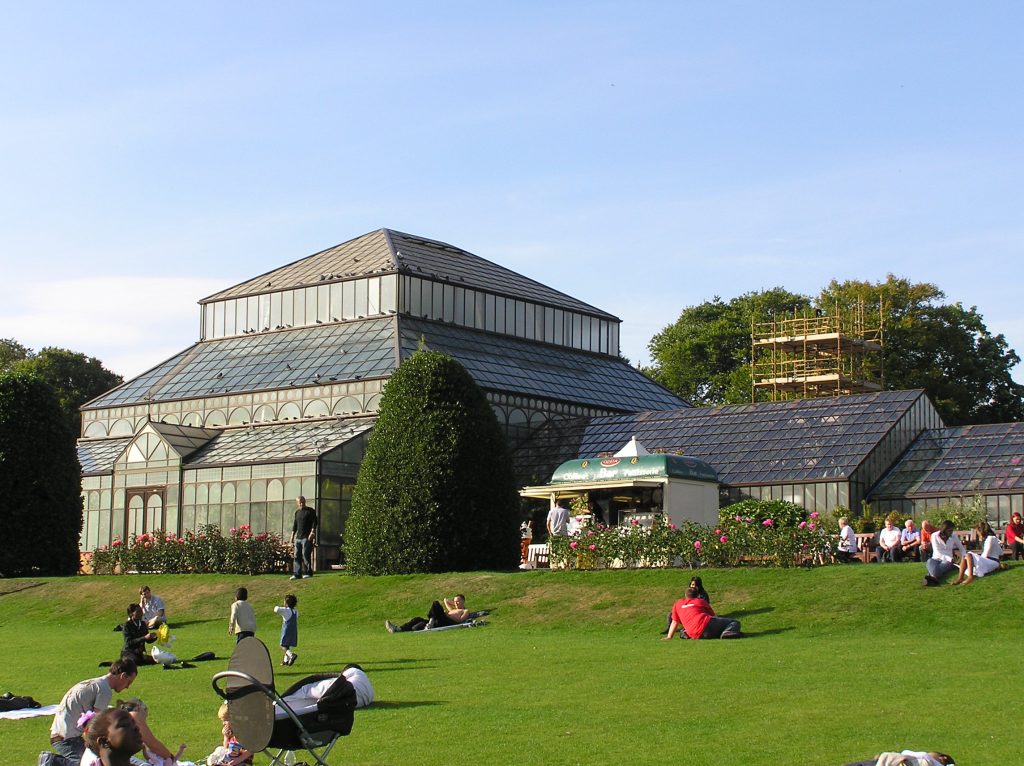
<point x="699" y="621"/>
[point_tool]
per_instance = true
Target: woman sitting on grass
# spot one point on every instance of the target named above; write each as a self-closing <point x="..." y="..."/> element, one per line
<point x="981" y="564"/>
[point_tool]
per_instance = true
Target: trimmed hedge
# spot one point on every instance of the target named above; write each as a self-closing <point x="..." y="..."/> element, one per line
<point x="435" y="491"/>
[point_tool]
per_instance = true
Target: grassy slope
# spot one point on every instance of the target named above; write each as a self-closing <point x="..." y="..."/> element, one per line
<point x="842" y="663"/>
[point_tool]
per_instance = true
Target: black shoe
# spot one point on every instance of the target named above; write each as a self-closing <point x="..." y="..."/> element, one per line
<point x="930" y="581"/>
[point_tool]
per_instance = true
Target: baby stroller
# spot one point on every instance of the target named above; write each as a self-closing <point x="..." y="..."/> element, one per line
<point x="261" y="718"/>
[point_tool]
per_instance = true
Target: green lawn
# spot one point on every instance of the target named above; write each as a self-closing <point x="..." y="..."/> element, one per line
<point x="841" y="663"/>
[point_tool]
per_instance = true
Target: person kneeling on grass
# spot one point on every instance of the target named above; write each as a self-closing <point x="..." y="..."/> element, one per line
<point x="453" y="612"/>
<point x="698" y="619"/>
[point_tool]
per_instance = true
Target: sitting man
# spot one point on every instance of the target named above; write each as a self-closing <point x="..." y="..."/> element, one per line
<point x="847" y="550"/>
<point x="889" y="543"/>
<point x="910" y="542"/>
<point x="153" y="610"/>
<point x="453" y="612"/>
<point x="698" y="619"/>
<point x="136" y="635"/>
<point x="945" y="544"/>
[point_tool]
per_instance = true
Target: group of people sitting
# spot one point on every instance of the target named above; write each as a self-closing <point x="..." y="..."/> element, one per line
<point x="940" y="548"/>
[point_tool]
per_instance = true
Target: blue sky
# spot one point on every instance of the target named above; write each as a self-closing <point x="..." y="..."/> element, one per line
<point x="640" y="156"/>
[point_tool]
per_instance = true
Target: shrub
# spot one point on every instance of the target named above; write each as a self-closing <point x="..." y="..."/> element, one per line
<point x="203" y="552"/>
<point x="435" y="490"/>
<point x="39" y="481"/>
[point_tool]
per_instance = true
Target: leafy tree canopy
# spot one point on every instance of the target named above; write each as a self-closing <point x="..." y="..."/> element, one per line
<point x="75" y="377"/>
<point x="943" y="348"/>
<point x="435" y="490"/>
<point x="10" y="352"/>
<point x="39" y="481"/>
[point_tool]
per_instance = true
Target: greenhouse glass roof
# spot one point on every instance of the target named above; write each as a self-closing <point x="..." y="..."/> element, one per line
<point x="965" y="460"/>
<point x="280" y="442"/>
<point x="502" y="363"/>
<point x="763" y="443"/>
<point x="300" y="357"/>
<point x="98" y="455"/>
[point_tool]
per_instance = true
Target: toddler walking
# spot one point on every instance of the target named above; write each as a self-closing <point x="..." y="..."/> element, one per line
<point x="242" y="621"/>
<point x="289" y="628"/>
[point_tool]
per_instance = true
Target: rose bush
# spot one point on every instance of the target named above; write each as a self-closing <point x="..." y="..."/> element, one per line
<point x="204" y="551"/>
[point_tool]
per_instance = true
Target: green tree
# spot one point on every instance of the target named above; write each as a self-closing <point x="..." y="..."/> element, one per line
<point x="704" y="356"/>
<point x="435" y="490"/>
<point x="39" y="481"/>
<point x="944" y="348"/>
<point x="11" y="352"/>
<point x="76" y="378"/>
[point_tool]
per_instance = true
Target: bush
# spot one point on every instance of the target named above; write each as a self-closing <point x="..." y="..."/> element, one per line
<point x="435" y="490"/>
<point x="204" y="552"/>
<point x="964" y="515"/>
<point x="39" y="481"/>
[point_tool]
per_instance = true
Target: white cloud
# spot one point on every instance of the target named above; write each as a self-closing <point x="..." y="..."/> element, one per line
<point x="128" y="323"/>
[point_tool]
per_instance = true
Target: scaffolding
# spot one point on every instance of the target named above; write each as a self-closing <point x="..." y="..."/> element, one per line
<point x="810" y="355"/>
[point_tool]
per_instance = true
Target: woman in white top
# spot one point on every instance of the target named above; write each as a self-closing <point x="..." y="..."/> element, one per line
<point x="980" y="564"/>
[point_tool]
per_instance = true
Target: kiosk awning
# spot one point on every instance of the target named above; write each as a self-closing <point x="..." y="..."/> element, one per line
<point x="574" y="488"/>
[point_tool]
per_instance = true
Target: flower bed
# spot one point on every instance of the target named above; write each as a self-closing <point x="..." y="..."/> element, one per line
<point x="205" y="551"/>
<point x="758" y="533"/>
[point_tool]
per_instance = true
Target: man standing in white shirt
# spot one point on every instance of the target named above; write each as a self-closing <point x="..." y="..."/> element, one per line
<point x="945" y="544"/>
<point x="558" y="519"/>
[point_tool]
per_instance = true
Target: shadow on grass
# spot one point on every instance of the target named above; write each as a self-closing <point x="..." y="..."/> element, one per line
<point x="772" y="632"/>
<point x="182" y="623"/>
<point x="398" y="705"/>
<point x="747" y="612"/>
<point x="29" y="586"/>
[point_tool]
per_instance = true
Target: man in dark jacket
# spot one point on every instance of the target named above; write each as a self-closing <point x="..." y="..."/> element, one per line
<point x="303" y="531"/>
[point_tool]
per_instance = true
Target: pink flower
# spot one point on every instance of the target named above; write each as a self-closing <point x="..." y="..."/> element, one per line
<point x="146" y="544"/>
<point x="723" y="539"/>
<point x="246" y="526"/>
<point x="115" y="544"/>
<point x="232" y="530"/>
<point x="718" y="531"/>
<point x="696" y="544"/>
<point x="634" y="522"/>
<point x="589" y="533"/>
<point x="739" y="518"/>
<point x="671" y="526"/>
<point x="573" y="544"/>
<point x="593" y="547"/>
<point x="815" y="515"/>
<point x="767" y="522"/>
<point x="749" y="520"/>
<point x="803" y="524"/>
<point x="811" y="526"/>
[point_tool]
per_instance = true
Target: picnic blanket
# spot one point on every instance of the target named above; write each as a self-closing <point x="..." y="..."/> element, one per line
<point x="470" y="624"/>
<point x="29" y="712"/>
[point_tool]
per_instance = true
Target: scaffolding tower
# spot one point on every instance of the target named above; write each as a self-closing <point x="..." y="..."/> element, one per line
<point x="816" y="354"/>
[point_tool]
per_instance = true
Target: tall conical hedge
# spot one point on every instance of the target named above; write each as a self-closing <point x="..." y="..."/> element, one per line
<point x="435" y="491"/>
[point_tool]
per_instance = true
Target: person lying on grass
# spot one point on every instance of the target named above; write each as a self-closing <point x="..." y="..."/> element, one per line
<point x="453" y="612"/>
<point x="698" y="619"/>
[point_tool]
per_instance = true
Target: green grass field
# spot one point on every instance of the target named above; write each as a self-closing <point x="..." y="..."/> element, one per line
<point x="840" y="664"/>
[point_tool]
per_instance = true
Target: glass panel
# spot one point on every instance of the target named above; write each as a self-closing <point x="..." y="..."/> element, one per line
<point x="275" y="311"/>
<point x="479" y="310"/>
<point x="415" y="304"/>
<point x="288" y="308"/>
<point x="299" y="314"/>
<point x="323" y="303"/>
<point x="264" y="309"/>
<point x="335" y="301"/>
<point x="520" y="330"/>
<point x="437" y="309"/>
<point x="252" y="319"/>
<point x="361" y="297"/>
<point x="207" y="331"/>
<point x="230" y="318"/>
<point x="530" y="328"/>
<point x="387" y="293"/>
<point x="488" y="312"/>
<point x="503" y="314"/>
<point x="310" y="316"/>
<point x="348" y="300"/>
<point x="372" y="296"/>
<point x="559" y="322"/>
<point x="459" y="314"/>
<point x="595" y="334"/>
<point x="218" y="320"/>
<point x="449" y="302"/>
<point x="549" y="324"/>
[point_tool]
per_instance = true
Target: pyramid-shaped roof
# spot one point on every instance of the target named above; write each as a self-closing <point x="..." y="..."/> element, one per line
<point x="386" y="251"/>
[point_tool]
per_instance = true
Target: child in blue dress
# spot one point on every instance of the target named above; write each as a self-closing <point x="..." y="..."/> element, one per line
<point x="289" y="628"/>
